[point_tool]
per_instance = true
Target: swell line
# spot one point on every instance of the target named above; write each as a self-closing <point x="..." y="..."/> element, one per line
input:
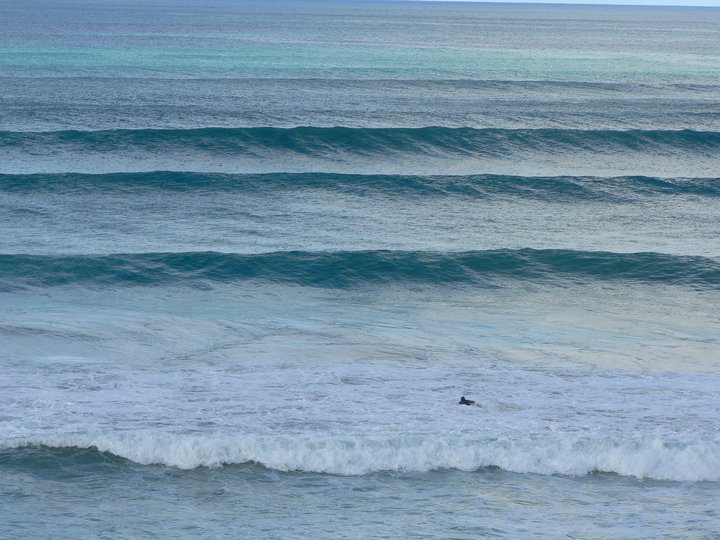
<point x="473" y="186"/>
<point x="346" y="269"/>
<point x="328" y="142"/>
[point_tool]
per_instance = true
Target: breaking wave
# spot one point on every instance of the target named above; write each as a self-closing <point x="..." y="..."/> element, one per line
<point x="649" y="457"/>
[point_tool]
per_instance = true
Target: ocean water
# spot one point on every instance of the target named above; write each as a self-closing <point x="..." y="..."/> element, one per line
<point x="253" y="253"/>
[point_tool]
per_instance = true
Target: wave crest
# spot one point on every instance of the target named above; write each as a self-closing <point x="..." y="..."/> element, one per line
<point x="473" y="186"/>
<point x="355" y="268"/>
<point x="332" y="141"/>
<point x="643" y="458"/>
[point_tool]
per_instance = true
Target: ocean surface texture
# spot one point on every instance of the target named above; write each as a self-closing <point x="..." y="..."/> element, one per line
<point x="253" y="253"/>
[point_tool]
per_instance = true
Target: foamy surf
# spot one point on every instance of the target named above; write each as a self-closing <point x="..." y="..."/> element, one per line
<point x="647" y="457"/>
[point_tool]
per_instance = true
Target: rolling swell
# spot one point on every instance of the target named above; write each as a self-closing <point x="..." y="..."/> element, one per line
<point x="473" y="186"/>
<point x="328" y="142"/>
<point x="490" y="268"/>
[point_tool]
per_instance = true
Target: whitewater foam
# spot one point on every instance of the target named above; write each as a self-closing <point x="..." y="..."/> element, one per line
<point x="648" y="457"/>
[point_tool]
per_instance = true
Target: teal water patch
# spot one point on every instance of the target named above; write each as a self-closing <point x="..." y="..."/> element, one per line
<point x="348" y="269"/>
<point x="232" y="57"/>
<point x="59" y="463"/>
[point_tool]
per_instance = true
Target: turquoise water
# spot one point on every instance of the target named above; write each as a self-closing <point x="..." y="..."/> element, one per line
<point x="252" y="254"/>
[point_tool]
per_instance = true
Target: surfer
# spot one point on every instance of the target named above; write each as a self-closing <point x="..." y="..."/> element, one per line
<point x="468" y="402"/>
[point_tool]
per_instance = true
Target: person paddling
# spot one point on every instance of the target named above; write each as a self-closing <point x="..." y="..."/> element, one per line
<point x="468" y="402"/>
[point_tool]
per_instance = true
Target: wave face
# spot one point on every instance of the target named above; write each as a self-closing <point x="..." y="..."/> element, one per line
<point x="576" y="456"/>
<point x="347" y="269"/>
<point x="207" y="101"/>
<point x="325" y="142"/>
<point x="473" y="186"/>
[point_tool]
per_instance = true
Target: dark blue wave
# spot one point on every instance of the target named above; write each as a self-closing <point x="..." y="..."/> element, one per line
<point x="350" y="269"/>
<point x="60" y="463"/>
<point x="474" y="186"/>
<point x="331" y="141"/>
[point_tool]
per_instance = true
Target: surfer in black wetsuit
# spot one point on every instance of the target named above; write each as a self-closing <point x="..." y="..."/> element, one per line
<point x="464" y="401"/>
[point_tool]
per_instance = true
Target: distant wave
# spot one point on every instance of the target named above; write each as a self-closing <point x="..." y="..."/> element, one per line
<point x="549" y="88"/>
<point x="347" y="269"/>
<point x="477" y="186"/>
<point x="642" y="457"/>
<point x="330" y="142"/>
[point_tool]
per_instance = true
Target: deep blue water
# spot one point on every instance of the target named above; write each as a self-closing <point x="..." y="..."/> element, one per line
<point x="253" y="253"/>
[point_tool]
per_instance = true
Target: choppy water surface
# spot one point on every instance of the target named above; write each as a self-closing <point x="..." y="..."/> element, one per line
<point x="251" y="255"/>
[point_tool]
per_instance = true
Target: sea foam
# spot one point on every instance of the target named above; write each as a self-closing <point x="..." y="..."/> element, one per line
<point x="647" y="457"/>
